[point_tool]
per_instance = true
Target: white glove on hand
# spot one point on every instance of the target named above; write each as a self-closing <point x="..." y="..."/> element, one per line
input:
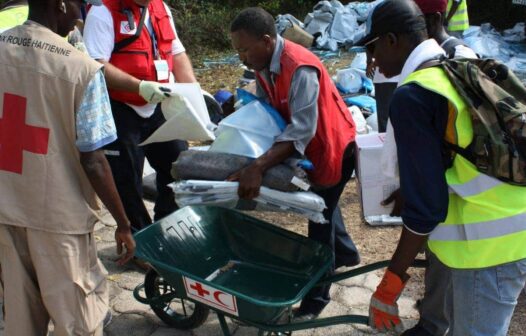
<point x="153" y="92"/>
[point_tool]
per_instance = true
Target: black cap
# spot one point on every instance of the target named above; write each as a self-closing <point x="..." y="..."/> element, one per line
<point x="392" y="16"/>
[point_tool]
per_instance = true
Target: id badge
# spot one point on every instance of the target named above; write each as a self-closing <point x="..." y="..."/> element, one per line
<point x="162" y="69"/>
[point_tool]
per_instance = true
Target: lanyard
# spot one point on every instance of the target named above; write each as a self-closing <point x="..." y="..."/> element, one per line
<point x="153" y="37"/>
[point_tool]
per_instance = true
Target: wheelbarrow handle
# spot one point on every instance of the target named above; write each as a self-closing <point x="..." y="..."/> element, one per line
<point x="364" y="269"/>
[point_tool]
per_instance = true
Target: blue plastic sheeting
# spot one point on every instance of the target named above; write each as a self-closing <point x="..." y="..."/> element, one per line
<point x="363" y="101"/>
<point x="359" y="61"/>
<point x="353" y="81"/>
<point x="336" y="24"/>
<point x="508" y="47"/>
<point x="228" y="60"/>
<point x="246" y="97"/>
<point x="324" y="55"/>
<point x="285" y="21"/>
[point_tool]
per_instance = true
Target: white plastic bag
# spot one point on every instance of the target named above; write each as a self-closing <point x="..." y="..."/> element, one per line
<point x="187" y="118"/>
<point x="359" y="120"/>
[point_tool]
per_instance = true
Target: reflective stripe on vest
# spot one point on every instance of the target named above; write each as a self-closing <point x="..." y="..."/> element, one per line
<point x="478" y="185"/>
<point x="460" y="20"/>
<point x="483" y="230"/>
<point x="486" y="219"/>
<point x="13" y="16"/>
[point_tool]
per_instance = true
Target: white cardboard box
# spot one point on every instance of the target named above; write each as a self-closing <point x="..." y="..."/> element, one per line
<point x="373" y="186"/>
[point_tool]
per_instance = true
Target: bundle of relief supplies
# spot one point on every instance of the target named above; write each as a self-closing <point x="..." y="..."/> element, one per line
<point x="239" y="139"/>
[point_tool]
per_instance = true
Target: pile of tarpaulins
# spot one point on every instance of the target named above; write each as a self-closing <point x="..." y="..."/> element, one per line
<point x="508" y="47"/>
<point x="336" y="24"/>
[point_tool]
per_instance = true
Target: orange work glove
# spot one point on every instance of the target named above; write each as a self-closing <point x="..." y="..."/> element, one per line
<point x="383" y="310"/>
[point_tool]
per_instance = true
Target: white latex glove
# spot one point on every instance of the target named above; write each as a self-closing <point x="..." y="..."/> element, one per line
<point x="154" y="92"/>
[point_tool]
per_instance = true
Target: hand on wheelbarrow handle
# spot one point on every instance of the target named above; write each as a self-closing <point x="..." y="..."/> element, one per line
<point x="383" y="310"/>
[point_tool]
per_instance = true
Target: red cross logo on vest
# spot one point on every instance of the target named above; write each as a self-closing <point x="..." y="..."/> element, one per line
<point x="16" y="136"/>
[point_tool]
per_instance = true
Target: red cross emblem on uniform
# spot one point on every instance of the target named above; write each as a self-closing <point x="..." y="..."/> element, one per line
<point x="16" y="136"/>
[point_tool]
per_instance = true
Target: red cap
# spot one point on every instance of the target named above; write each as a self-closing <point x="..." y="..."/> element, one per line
<point x="432" y="6"/>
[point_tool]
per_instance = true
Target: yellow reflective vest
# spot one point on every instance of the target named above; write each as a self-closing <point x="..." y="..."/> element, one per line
<point x="13" y="16"/>
<point x="486" y="220"/>
<point x="460" y="20"/>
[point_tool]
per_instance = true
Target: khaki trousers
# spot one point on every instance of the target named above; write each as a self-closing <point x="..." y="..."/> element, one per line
<point x="52" y="276"/>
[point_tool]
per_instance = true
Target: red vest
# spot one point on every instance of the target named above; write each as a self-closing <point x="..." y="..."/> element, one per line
<point x="137" y="59"/>
<point x="335" y="128"/>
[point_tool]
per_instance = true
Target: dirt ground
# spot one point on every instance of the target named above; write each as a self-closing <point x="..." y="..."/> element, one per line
<point x="374" y="243"/>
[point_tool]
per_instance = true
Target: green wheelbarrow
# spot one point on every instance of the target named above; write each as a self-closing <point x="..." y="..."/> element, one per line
<point x="208" y="258"/>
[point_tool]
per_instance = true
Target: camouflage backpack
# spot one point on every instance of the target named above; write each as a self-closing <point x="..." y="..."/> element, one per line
<point x="497" y="103"/>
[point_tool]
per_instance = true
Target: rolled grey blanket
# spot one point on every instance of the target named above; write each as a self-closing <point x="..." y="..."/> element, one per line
<point x="213" y="166"/>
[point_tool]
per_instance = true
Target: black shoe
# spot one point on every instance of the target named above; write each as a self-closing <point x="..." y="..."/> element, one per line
<point x="417" y="330"/>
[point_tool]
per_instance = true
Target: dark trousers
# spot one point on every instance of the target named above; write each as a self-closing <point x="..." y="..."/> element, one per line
<point x="333" y="234"/>
<point x="126" y="160"/>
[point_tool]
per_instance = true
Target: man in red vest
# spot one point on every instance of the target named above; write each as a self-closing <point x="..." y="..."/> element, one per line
<point x="138" y="45"/>
<point x="320" y="127"/>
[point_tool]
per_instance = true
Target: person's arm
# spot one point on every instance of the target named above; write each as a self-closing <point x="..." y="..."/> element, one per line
<point x="117" y="79"/>
<point x="419" y="119"/>
<point x="182" y="69"/>
<point x="453" y="10"/>
<point x="99" y="38"/>
<point x="303" y="99"/>
<point x="95" y="128"/>
<point x="99" y="174"/>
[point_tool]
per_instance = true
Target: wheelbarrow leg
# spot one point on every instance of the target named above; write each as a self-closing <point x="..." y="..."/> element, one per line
<point x="223" y="324"/>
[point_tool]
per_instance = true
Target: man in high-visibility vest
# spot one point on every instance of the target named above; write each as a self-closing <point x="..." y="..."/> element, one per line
<point x="457" y="18"/>
<point x="474" y="224"/>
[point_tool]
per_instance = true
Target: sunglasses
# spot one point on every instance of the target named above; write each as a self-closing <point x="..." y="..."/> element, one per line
<point x="370" y="46"/>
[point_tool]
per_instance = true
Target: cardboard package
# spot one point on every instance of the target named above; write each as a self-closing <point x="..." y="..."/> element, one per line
<point x="373" y="186"/>
<point x="298" y="35"/>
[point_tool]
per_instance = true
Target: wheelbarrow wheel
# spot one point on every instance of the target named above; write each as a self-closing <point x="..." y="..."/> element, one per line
<point x="178" y="313"/>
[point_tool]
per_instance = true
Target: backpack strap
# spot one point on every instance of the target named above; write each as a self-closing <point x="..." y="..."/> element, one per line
<point x="127" y="41"/>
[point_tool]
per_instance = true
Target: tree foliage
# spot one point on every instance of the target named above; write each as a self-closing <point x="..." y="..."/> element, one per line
<point x="204" y="24"/>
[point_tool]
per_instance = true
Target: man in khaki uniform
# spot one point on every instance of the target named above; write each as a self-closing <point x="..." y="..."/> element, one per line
<point x="54" y="118"/>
